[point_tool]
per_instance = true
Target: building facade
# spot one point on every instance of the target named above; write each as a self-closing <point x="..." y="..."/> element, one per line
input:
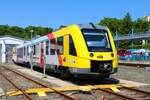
<point x="6" y="47"/>
<point x="147" y="18"/>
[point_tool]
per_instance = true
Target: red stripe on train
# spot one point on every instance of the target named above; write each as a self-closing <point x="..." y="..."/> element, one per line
<point x="50" y="36"/>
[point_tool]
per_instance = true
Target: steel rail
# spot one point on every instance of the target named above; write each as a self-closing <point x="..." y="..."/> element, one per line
<point x="137" y="90"/>
<point x="66" y="96"/>
<point x="24" y="93"/>
<point x="117" y="94"/>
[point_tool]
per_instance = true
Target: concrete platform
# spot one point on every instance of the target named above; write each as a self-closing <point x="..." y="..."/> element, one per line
<point x="135" y="63"/>
<point x="1" y="92"/>
<point x="51" y="79"/>
<point x="132" y="83"/>
<point x="62" y="83"/>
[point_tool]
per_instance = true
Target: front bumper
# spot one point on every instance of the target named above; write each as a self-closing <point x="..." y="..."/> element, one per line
<point x="88" y="71"/>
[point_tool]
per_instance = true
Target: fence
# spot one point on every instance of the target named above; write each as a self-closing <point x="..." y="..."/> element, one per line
<point x="135" y="57"/>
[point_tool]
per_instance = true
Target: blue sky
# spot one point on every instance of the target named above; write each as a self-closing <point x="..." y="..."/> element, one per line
<point x="53" y="13"/>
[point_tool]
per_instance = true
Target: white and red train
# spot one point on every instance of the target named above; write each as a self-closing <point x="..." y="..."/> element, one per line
<point x="76" y="49"/>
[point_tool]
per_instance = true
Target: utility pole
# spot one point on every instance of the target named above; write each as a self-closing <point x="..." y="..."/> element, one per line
<point x="116" y="36"/>
<point x="132" y="34"/>
<point x="31" y="52"/>
<point x="31" y="31"/>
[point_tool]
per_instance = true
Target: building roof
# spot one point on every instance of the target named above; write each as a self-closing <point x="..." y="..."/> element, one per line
<point x="10" y="36"/>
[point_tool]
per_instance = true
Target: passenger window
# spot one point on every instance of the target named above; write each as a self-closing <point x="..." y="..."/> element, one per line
<point x="60" y="42"/>
<point x="27" y="51"/>
<point x="20" y="52"/>
<point x="72" y="50"/>
<point x="34" y="48"/>
<point x="47" y="47"/>
<point x="37" y="49"/>
<point x="24" y="49"/>
<point x="52" y="47"/>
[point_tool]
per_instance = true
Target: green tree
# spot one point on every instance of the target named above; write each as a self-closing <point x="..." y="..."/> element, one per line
<point x="126" y="24"/>
<point x="23" y="32"/>
<point x="112" y="23"/>
<point x="38" y="30"/>
<point x="140" y="25"/>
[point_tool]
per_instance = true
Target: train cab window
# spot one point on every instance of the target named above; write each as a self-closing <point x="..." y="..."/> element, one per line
<point x="97" y="40"/>
<point x="52" y="47"/>
<point x="47" y="47"/>
<point x="60" y="42"/>
<point x="72" y="50"/>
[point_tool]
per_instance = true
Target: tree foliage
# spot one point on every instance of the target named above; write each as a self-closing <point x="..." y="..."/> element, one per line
<point x="124" y="25"/>
<point x="23" y="32"/>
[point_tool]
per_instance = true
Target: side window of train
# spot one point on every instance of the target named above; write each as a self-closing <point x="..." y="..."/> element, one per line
<point x="60" y="42"/>
<point x="20" y="52"/>
<point x="34" y="50"/>
<point x="47" y="47"/>
<point x="72" y="50"/>
<point x="27" y="51"/>
<point x="52" y="47"/>
<point x="24" y="51"/>
<point x="37" y="49"/>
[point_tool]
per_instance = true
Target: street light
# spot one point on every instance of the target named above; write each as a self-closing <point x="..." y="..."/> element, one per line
<point x="31" y="53"/>
<point x="31" y="31"/>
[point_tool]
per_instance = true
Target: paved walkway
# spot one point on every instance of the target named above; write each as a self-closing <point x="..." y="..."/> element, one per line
<point x="59" y="82"/>
<point x="1" y="92"/>
<point x="143" y="63"/>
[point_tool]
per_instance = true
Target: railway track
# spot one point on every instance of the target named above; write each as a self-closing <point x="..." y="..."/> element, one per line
<point x="21" y="82"/>
<point x="124" y="93"/>
<point x="128" y="94"/>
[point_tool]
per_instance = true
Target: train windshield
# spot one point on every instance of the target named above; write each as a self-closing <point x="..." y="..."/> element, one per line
<point x="97" y="40"/>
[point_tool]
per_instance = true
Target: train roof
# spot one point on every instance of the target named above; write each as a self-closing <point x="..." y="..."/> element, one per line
<point x="81" y="26"/>
<point x="91" y="26"/>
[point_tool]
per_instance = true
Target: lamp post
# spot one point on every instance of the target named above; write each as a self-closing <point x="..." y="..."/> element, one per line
<point x="31" y="53"/>
<point x="31" y="31"/>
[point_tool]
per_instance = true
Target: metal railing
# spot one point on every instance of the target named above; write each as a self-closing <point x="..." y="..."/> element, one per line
<point x="141" y="35"/>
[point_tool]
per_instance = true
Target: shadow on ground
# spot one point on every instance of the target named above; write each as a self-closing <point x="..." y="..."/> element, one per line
<point x="80" y="81"/>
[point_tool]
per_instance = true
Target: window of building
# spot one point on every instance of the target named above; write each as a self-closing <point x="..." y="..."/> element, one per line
<point x="47" y="47"/>
<point x="60" y="42"/>
<point x="52" y="47"/>
<point x="72" y="50"/>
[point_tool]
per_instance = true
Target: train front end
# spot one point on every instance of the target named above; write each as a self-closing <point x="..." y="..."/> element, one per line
<point x="96" y="51"/>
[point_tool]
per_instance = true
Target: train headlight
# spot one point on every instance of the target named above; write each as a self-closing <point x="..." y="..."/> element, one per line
<point x="91" y="54"/>
<point x="112" y="54"/>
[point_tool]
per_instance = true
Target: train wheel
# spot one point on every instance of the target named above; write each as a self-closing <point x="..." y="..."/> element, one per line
<point x="65" y="74"/>
<point x="28" y="65"/>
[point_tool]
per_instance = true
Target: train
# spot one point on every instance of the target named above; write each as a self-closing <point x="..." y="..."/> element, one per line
<point x="77" y="49"/>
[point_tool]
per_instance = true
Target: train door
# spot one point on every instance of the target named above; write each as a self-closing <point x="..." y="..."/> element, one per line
<point x="0" y="53"/>
<point x="42" y="62"/>
<point x="47" y="52"/>
<point x="14" y="54"/>
<point x="72" y="52"/>
<point x="60" y="49"/>
<point x="66" y="51"/>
